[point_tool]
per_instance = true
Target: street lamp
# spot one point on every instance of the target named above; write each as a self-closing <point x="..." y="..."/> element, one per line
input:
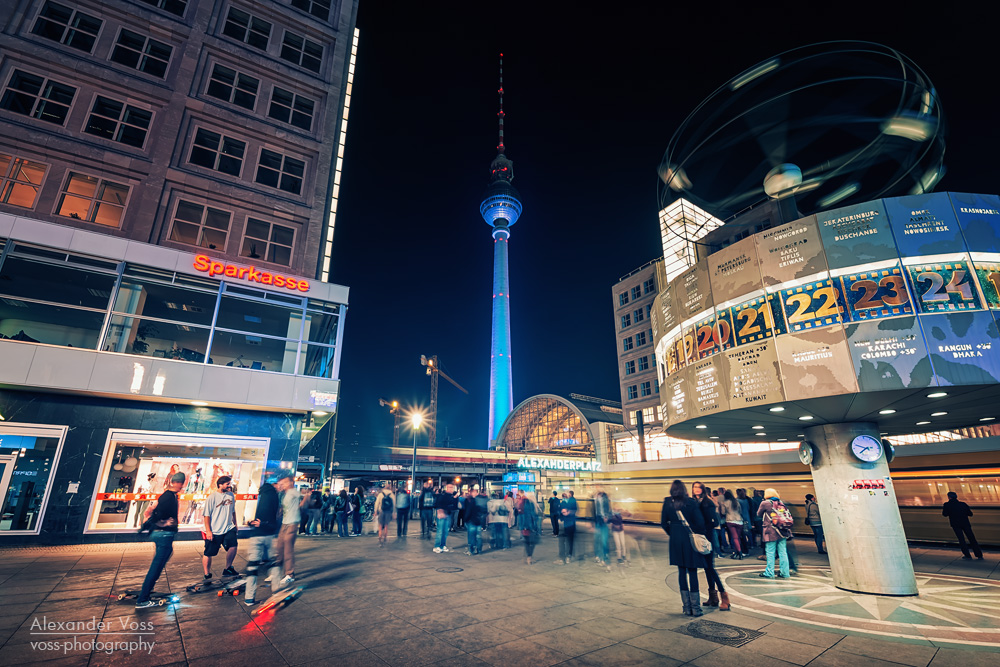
<point x="416" y="419"/>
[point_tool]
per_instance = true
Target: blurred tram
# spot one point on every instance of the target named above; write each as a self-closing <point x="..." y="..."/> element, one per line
<point x="922" y="476"/>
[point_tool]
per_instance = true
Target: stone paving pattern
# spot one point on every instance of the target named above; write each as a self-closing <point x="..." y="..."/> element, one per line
<point x="369" y="606"/>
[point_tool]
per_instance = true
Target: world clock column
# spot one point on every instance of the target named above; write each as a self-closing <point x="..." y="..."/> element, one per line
<point x="863" y="528"/>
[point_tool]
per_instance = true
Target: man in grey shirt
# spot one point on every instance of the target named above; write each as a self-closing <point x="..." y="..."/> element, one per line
<point x="291" y="500"/>
<point x="219" y="514"/>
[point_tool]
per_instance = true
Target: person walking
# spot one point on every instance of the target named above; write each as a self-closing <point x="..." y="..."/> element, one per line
<point x="602" y="514"/>
<point x="618" y="533"/>
<point x="756" y="498"/>
<point x="474" y="513"/>
<point x="329" y="514"/>
<point x="402" y="510"/>
<point x="680" y="517"/>
<point x="734" y="523"/>
<point x="530" y="522"/>
<point x="508" y="500"/>
<point x="958" y="514"/>
<point x="290" y="517"/>
<point x="720" y="529"/>
<point x="266" y="522"/>
<point x="445" y="504"/>
<point x="426" y="510"/>
<point x="383" y="515"/>
<point x="815" y="521"/>
<point x="554" y="513"/>
<point x="342" y="509"/>
<point x="161" y="521"/>
<point x="567" y="511"/>
<point x="357" y="503"/>
<point x="314" y="508"/>
<point x="746" y="540"/>
<point x="776" y="522"/>
<point x="717" y="595"/>
<point x="219" y="514"/>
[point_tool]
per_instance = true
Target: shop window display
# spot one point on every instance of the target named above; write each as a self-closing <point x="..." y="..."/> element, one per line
<point x="28" y="457"/>
<point x="138" y="465"/>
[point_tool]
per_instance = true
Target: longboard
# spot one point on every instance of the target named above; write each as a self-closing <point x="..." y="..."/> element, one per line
<point x="234" y="587"/>
<point x="279" y="600"/>
<point x="210" y="584"/>
<point x="161" y="599"/>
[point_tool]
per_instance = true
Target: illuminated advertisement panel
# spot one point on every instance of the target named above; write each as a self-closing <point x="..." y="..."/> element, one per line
<point x="964" y="347"/>
<point x="924" y="225"/>
<point x="734" y="272"/>
<point x="754" y="375"/>
<point x="889" y="354"/>
<point x="816" y="363"/>
<point x="709" y="387"/>
<point x="791" y="251"/>
<point x="856" y="235"/>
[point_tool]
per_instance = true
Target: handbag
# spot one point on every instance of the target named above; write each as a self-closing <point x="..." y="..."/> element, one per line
<point x="699" y="543"/>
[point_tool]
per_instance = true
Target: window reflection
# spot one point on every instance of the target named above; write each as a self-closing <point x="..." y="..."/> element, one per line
<point x="166" y="302"/>
<point x="53" y="325"/>
<point x="241" y="350"/>
<point x="321" y="327"/>
<point x="30" y="460"/>
<point x="317" y="361"/>
<point x="151" y="338"/>
<point x="58" y="283"/>
<point x="259" y="317"/>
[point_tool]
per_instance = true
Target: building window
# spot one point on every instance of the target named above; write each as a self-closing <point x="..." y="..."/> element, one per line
<point x="145" y="54"/>
<point x="638" y="316"/>
<point x="248" y="29"/>
<point x="291" y="108"/>
<point x="318" y="8"/>
<point x="20" y="180"/>
<point x="649" y="309"/>
<point x="268" y="241"/>
<point x="623" y="298"/>
<point x="232" y="86"/>
<point x="626" y="320"/>
<point x="636" y="292"/>
<point x="633" y="392"/>
<point x="648" y="286"/>
<point x="626" y="344"/>
<point x="67" y="26"/>
<point x="218" y="153"/>
<point x="93" y="199"/>
<point x="117" y="121"/>
<point x="280" y="171"/>
<point x="175" y="7"/>
<point x="640" y="338"/>
<point x="37" y="97"/>
<point x="301" y="51"/>
<point x="645" y="389"/>
<point x="643" y="363"/>
<point x="199" y="225"/>
<point x="629" y="367"/>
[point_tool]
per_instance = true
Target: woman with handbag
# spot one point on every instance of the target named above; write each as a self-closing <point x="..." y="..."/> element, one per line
<point x="684" y="523"/>
<point x="710" y="514"/>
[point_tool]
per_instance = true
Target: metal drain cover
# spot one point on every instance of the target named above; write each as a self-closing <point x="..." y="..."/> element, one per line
<point x="450" y="570"/>
<point x="720" y="633"/>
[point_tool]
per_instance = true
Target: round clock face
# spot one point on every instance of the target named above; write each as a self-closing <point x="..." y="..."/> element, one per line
<point x="806" y="453"/>
<point x="866" y="448"/>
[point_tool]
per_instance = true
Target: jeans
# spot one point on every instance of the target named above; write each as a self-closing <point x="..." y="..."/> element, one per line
<point x="426" y="522"/>
<point x="530" y="540"/>
<point x="566" y="538"/>
<point x="258" y="554"/>
<point x="443" y="526"/>
<point x="402" y="521"/>
<point x="735" y="532"/>
<point x="687" y="579"/>
<point x="711" y="575"/>
<point x="721" y="538"/>
<point x="620" y="547"/>
<point x="164" y="541"/>
<point x="342" y="524"/>
<point x="554" y="520"/>
<point x="601" y="541"/>
<point x="505" y="533"/>
<point x="356" y="520"/>
<point x="963" y="532"/>
<point x="475" y="536"/>
<point x="782" y="549"/>
<point x="818" y="536"/>
<point x="314" y="522"/>
<point x="496" y="534"/>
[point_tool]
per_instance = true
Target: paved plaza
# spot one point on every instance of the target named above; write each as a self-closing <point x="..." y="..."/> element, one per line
<point x="406" y="606"/>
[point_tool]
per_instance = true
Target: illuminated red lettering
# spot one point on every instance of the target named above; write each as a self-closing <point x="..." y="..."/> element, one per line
<point x="201" y="263"/>
<point x="267" y="278"/>
<point x="243" y="272"/>
<point x="205" y="264"/>
<point x="231" y="271"/>
<point x="254" y="275"/>
<point x="279" y="281"/>
<point x="303" y="285"/>
<point x="217" y="268"/>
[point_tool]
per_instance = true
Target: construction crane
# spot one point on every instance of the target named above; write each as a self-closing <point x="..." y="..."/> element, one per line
<point x="397" y="413"/>
<point x="434" y="370"/>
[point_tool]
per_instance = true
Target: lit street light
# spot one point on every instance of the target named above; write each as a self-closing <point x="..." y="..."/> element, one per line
<point x="416" y="419"/>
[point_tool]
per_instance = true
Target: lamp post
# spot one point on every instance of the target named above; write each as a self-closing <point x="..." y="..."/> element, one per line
<point x="416" y="419"/>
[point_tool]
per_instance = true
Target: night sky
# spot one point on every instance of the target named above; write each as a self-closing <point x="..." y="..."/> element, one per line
<point x="593" y="93"/>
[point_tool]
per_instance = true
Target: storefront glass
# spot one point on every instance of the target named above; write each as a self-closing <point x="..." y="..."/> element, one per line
<point x="137" y="466"/>
<point x="28" y="456"/>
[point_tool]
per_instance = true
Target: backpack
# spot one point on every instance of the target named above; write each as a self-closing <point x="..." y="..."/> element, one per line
<point x="387" y="502"/>
<point x="502" y="509"/>
<point x="781" y="518"/>
<point x="316" y="500"/>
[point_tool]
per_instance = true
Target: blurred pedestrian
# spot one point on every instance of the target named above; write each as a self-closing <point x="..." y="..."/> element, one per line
<point x="342" y="508"/>
<point x="497" y="520"/>
<point x="290" y="516"/>
<point x="717" y="596"/>
<point x="602" y="514"/>
<point x="266" y="522"/>
<point x="383" y="515"/>
<point x="756" y="498"/>
<point x="618" y="533"/>
<point x="445" y="505"/>
<point x="357" y="507"/>
<point x="426" y="510"/>
<point x="567" y="511"/>
<point x="734" y="523"/>
<point x="958" y="514"/>
<point x="530" y="522"/>
<point x="680" y="517"/>
<point x="161" y="521"/>
<point x="815" y="521"/>
<point x="554" y="513"/>
<point x="511" y="516"/>
<point x="777" y="528"/>
<point x="717" y="498"/>
<point x="402" y="510"/>
<point x="746" y="541"/>
<point x="475" y="514"/>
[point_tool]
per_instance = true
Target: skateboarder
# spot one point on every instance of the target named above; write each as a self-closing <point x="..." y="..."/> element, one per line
<point x="290" y="515"/>
<point x="220" y="526"/>
<point x="265" y="524"/>
<point x="161" y="519"/>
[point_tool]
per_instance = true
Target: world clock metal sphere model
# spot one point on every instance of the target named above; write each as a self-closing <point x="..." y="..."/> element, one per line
<point x="831" y="124"/>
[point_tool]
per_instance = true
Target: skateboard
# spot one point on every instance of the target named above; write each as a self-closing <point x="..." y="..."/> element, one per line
<point x="161" y="599"/>
<point x="233" y="587"/>
<point x="210" y="584"/>
<point x="279" y="600"/>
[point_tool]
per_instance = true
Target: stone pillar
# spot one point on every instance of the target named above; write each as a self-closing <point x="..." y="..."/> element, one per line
<point x="863" y="529"/>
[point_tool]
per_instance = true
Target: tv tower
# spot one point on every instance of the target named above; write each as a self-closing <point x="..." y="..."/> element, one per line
<point x="500" y="209"/>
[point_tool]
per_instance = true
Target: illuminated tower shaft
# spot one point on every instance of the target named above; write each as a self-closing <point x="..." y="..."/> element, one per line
<point x="501" y="389"/>
<point x="501" y="208"/>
